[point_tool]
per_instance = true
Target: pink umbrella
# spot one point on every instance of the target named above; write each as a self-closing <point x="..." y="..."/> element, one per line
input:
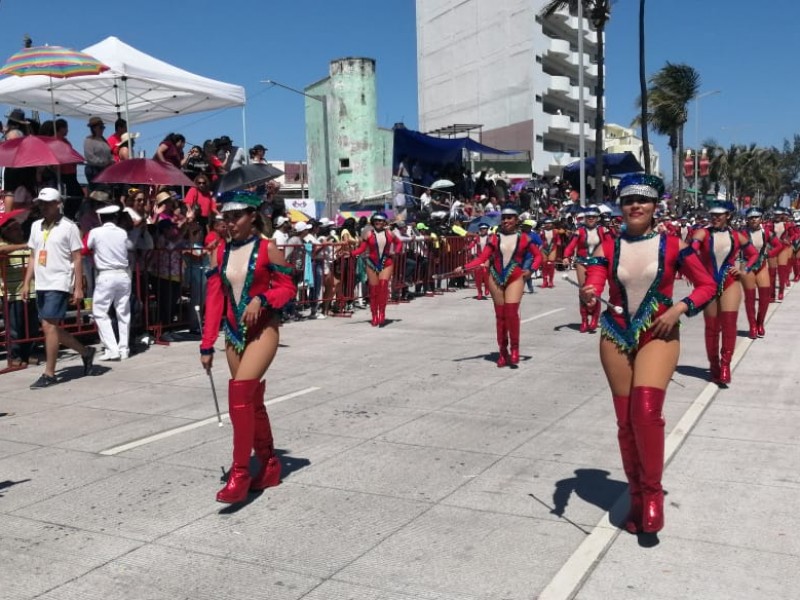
<point x="37" y="151"/>
<point x="143" y="171"/>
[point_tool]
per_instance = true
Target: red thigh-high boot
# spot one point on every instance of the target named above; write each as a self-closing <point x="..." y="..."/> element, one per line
<point x="384" y="286"/>
<point x="750" y="310"/>
<point x="763" y="306"/>
<point x="712" y="346"/>
<point x="727" y="321"/>
<point x="374" y="303"/>
<point x="550" y="267"/>
<point x="796" y="269"/>
<point x="502" y="334"/>
<point x="595" y="310"/>
<point x="773" y="275"/>
<point x="240" y="409"/>
<point x="479" y="282"/>
<point x="648" y="429"/>
<point x="783" y="279"/>
<point x="269" y="473"/>
<point x="584" y="318"/>
<point x="512" y="324"/>
<point x="630" y="461"/>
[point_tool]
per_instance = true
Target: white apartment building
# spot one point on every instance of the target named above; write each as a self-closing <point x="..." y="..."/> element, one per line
<point x="498" y="65"/>
<point x="624" y="139"/>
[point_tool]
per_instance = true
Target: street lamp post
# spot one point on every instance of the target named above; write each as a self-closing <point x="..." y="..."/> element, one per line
<point x="325" y="139"/>
<point x="697" y="140"/>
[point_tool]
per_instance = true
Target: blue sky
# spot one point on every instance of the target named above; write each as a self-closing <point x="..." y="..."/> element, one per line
<point x="745" y="50"/>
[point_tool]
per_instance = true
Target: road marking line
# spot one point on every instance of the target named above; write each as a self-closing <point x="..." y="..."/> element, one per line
<point x="543" y="315"/>
<point x="580" y="565"/>
<point x="190" y="426"/>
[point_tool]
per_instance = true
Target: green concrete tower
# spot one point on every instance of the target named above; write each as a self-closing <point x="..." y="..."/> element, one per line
<point x="355" y="160"/>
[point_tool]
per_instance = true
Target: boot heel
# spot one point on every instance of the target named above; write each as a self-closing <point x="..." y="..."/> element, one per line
<point x="269" y="475"/>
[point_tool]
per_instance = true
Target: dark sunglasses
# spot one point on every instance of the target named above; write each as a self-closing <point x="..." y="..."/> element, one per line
<point x="508" y="217"/>
<point x="631" y="200"/>
<point x="201" y="182"/>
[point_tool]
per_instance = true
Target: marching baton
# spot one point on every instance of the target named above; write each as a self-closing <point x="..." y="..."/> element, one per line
<point x="452" y="274"/>
<point x="616" y="309"/>
<point x="210" y="376"/>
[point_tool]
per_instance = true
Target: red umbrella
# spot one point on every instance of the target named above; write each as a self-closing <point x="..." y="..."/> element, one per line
<point x="37" y="151"/>
<point x="143" y="171"/>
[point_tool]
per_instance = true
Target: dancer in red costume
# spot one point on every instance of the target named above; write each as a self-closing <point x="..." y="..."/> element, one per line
<point x="786" y="231"/>
<point x="551" y="242"/>
<point x="718" y="246"/>
<point x="639" y="348"/>
<point x="768" y="246"/>
<point x="248" y="283"/>
<point x="506" y="252"/>
<point x="380" y="245"/>
<point x="481" y="273"/>
<point x="585" y="239"/>
<point x="796" y="251"/>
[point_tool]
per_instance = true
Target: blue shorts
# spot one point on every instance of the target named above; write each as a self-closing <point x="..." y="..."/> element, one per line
<point x="52" y="304"/>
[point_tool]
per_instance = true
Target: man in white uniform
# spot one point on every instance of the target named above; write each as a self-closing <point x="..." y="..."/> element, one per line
<point x="55" y="264"/>
<point x="111" y="245"/>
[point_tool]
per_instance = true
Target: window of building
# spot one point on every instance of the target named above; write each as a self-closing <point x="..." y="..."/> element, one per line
<point x="344" y="164"/>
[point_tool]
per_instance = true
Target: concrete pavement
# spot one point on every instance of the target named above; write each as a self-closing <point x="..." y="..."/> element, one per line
<point x="413" y="468"/>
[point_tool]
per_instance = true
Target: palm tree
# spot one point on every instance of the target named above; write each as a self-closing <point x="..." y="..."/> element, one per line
<point x="671" y="90"/>
<point x="748" y="171"/>
<point x="599" y="12"/>
<point x="643" y="89"/>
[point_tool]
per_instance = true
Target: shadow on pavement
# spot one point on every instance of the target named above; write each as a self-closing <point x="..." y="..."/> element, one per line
<point x="592" y="486"/>
<point x="693" y="371"/>
<point x="8" y="483"/>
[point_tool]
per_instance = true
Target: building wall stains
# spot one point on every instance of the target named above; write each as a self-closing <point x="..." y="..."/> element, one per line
<point x="357" y="158"/>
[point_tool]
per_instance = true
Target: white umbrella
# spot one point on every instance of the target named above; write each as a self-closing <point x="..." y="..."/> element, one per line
<point x="441" y="183"/>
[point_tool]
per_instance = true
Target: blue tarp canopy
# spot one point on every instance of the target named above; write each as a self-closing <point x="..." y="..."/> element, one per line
<point x="434" y="150"/>
<point x="615" y="164"/>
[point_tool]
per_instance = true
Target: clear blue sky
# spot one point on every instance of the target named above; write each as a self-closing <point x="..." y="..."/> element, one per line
<point x="744" y="49"/>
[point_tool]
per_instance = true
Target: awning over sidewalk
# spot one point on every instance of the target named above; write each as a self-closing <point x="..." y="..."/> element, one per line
<point x="436" y="150"/>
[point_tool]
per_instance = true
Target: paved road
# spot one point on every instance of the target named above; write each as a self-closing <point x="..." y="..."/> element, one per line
<point x="414" y="469"/>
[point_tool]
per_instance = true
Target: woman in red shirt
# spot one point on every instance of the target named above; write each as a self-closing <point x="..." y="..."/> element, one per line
<point x="201" y="200"/>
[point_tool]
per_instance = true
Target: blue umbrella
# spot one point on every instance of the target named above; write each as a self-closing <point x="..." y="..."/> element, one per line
<point x="475" y="224"/>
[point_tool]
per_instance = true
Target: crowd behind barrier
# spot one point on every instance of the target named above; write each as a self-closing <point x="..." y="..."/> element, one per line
<point x="167" y="285"/>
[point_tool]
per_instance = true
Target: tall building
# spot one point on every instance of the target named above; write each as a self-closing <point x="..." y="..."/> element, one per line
<point x="624" y="139"/>
<point x="499" y="66"/>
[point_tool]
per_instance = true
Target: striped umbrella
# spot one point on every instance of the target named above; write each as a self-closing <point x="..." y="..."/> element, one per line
<point x="52" y="61"/>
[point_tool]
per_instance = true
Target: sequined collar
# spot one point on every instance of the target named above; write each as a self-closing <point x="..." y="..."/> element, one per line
<point x="639" y="238"/>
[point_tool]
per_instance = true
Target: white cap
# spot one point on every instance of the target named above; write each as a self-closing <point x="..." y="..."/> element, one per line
<point x="108" y="210"/>
<point x="302" y="226"/>
<point x="49" y="195"/>
<point x="325" y="221"/>
<point x="280" y="221"/>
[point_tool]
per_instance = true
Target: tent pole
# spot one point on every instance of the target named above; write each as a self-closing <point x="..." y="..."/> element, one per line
<point x="127" y="119"/>
<point x="244" y="135"/>
<point x="55" y="133"/>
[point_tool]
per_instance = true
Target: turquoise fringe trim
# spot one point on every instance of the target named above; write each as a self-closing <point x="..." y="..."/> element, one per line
<point x="601" y="261"/>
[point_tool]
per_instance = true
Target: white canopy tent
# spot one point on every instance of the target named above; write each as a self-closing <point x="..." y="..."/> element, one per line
<point x="137" y="86"/>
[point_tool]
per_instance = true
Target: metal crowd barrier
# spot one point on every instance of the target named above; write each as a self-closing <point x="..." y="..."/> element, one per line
<point x="168" y="284"/>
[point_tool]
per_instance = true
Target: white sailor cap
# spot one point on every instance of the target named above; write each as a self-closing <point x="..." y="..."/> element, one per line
<point x="108" y="210"/>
